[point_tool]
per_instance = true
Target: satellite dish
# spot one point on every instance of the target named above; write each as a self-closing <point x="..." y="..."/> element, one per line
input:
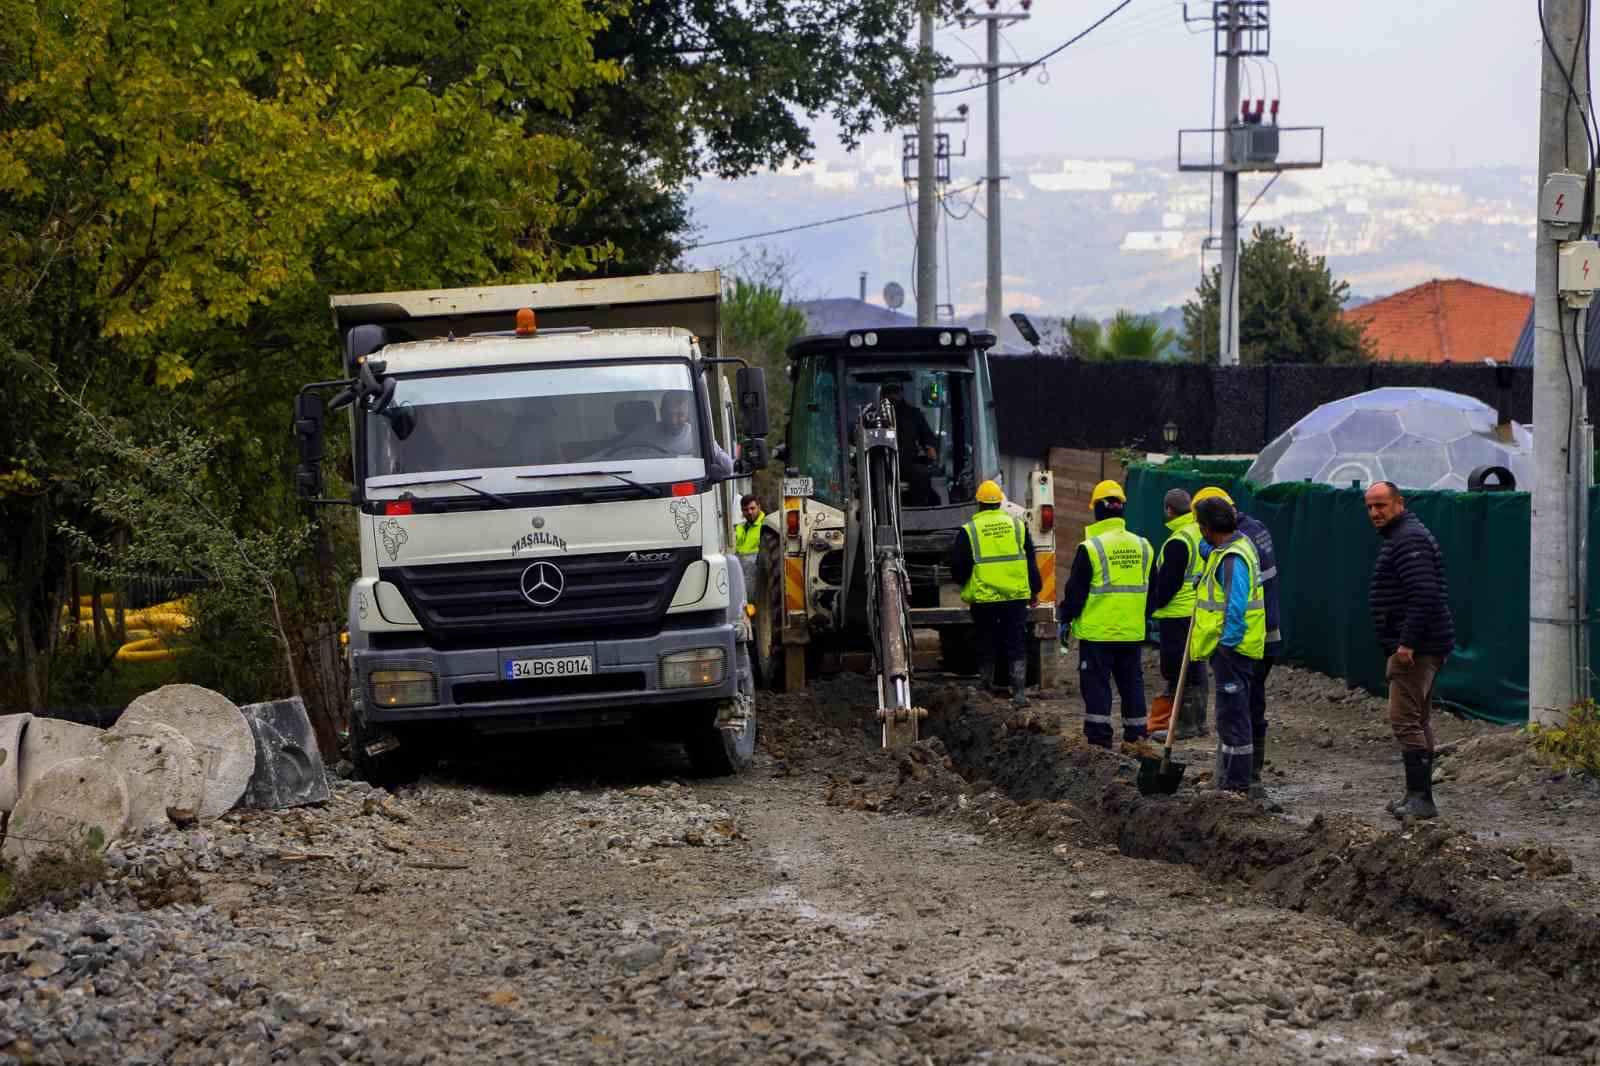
<point x="893" y="295"/>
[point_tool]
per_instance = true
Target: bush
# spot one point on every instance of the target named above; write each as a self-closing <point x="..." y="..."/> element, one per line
<point x="1574" y="745"/>
<point x="65" y="873"/>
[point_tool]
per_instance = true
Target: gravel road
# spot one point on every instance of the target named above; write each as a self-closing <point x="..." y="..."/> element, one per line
<point x="835" y="904"/>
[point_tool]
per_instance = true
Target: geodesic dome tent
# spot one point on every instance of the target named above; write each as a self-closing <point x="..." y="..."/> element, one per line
<point x="1418" y="438"/>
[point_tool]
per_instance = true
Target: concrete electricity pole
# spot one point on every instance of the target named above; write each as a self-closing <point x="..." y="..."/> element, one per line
<point x="1228" y="305"/>
<point x="1557" y="670"/>
<point x="927" y="197"/>
<point x="993" y="20"/>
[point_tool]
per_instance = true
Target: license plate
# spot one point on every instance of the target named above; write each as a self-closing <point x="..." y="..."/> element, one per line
<point x="565" y="666"/>
<point x="797" y="486"/>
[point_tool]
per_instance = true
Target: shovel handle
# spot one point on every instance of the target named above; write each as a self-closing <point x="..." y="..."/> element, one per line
<point x="1177" y="694"/>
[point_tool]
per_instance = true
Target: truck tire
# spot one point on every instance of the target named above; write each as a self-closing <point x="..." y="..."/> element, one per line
<point x="721" y="741"/>
<point x="400" y="766"/>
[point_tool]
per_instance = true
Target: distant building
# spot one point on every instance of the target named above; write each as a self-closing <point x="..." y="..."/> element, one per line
<point x="1449" y="321"/>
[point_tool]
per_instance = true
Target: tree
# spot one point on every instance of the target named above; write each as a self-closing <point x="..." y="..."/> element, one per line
<point x="712" y="87"/>
<point x="180" y="188"/>
<point x="1127" y="338"/>
<point x="1289" y="307"/>
<point x="759" y="324"/>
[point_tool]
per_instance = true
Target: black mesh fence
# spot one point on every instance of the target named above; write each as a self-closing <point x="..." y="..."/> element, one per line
<point x="1047" y="401"/>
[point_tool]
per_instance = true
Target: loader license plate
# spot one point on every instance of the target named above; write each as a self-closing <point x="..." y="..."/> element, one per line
<point x="797" y="486"/>
<point x="565" y="666"/>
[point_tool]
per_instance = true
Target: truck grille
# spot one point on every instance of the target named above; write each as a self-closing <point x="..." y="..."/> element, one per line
<point x="600" y="595"/>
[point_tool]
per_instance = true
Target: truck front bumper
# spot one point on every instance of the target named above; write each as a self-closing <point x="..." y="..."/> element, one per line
<point x="472" y="684"/>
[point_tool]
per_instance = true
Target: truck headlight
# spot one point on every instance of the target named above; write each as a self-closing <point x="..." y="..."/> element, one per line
<point x="403" y="688"/>
<point x="694" y="668"/>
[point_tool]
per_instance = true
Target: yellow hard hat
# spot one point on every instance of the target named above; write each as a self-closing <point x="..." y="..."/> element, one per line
<point x="1211" y="492"/>
<point x="989" y="492"/>
<point x="1107" y="490"/>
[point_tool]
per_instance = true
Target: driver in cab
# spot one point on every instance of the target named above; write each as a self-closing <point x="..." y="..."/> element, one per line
<point x="918" y="446"/>
<point x="675" y="435"/>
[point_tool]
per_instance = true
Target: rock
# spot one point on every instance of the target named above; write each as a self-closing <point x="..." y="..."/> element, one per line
<point x="47" y="742"/>
<point x="216" y="728"/>
<point x="160" y="768"/>
<point x="639" y="956"/>
<point x="42" y="964"/>
<point x="79" y="802"/>
<point x="11" y="730"/>
<point x="288" y="770"/>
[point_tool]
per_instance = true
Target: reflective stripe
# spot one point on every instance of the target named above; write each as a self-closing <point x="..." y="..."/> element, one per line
<point x="1098" y="719"/>
<point x="1140" y="722"/>
<point x="1273" y="636"/>
<point x="1119" y="588"/>
<point x="1255" y="605"/>
<point x="1105" y="564"/>
<point x="1268" y="574"/>
<point x="1242" y="749"/>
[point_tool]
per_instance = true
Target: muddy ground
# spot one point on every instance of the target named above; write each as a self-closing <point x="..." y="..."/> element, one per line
<point x="997" y="894"/>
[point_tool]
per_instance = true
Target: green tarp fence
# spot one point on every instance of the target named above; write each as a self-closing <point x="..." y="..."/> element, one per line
<point x="1326" y="548"/>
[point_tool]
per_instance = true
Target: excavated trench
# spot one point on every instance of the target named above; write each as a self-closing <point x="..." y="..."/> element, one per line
<point x="1522" y="907"/>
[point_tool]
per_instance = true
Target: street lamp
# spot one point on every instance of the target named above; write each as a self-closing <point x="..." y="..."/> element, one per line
<point x="1169" y="435"/>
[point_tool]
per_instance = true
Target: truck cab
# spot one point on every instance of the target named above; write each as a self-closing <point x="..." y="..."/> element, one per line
<point x="546" y="496"/>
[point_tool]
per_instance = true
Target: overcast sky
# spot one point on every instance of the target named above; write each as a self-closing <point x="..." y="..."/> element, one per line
<point x="1426" y="83"/>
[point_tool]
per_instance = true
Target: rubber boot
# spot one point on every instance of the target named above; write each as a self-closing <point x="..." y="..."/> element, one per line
<point x="1258" y="790"/>
<point x="1190" y="715"/>
<point x="1019" y="685"/>
<point x="985" y="683"/>
<point x="1419" y="786"/>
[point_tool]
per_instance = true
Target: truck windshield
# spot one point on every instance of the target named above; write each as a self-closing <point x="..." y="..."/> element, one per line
<point x="644" y="413"/>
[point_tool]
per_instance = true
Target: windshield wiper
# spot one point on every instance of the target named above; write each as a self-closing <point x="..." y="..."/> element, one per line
<point x="462" y="481"/>
<point x="651" y="489"/>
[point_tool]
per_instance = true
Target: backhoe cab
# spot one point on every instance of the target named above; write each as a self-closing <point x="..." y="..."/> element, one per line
<point x="817" y="588"/>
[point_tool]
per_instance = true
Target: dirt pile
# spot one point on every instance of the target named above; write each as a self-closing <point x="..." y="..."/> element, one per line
<point x="1518" y="903"/>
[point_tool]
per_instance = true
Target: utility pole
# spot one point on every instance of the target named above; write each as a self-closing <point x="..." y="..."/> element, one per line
<point x="1557" y="665"/>
<point x="1228" y="306"/>
<point x="927" y="198"/>
<point x="993" y="20"/>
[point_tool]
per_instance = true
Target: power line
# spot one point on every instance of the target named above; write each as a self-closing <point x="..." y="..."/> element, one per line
<point x="819" y="222"/>
<point x="1057" y="50"/>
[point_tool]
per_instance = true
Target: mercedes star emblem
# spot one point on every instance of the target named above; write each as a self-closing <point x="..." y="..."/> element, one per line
<point x="542" y="584"/>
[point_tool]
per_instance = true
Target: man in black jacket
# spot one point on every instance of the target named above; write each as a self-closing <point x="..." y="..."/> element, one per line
<point x="1410" y="602"/>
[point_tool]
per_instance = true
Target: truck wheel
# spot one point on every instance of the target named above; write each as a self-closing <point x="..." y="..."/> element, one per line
<point x="722" y="740"/>
<point x="768" y="638"/>
<point x="397" y="766"/>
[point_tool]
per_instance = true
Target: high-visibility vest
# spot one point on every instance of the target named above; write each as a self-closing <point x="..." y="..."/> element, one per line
<point x="747" y="536"/>
<point x="1211" y="605"/>
<point x="1185" y="530"/>
<point x="999" y="561"/>
<point x="1120" y="564"/>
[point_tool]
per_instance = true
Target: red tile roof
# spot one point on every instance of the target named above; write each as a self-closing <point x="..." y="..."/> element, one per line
<point x="1454" y="321"/>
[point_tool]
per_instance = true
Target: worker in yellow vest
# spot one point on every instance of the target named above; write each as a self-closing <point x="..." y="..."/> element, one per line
<point x="992" y="559"/>
<point x="747" y="534"/>
<point x="1105" y="604"/>
<point x="1178" y="567"/>
<point x="1230" y="631"/>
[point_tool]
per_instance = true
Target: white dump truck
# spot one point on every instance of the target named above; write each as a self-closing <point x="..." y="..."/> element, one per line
<point x="546" y="490"/>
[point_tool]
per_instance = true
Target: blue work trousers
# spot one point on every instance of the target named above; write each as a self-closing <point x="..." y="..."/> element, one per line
<point x="1100" y="663"/>
<point x="1235" y="677"/>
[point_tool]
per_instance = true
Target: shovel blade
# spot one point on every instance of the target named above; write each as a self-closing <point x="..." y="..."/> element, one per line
<point x="1155" y="781"/>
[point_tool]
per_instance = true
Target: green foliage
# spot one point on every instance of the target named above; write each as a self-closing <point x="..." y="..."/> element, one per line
<point x="1289" y="307"/>
<point x="67" y="872"/>
<point x="1574" y="745"/>
<point x="180" y="189"/>
<point x="1126" y="338"/>
<point x="1221" y="468"/>
<point x="759" y="324"/>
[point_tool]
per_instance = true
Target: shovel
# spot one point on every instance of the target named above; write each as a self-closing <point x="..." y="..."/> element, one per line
<point x="1161" y="777"/>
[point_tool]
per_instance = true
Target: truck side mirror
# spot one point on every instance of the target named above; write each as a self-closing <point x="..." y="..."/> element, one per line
<point x="751" y="383"/>
<point x="308" y="437"/>
<point x="752" y="456"/>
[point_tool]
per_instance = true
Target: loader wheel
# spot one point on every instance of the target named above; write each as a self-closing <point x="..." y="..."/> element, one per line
<point x="768" y="638"/>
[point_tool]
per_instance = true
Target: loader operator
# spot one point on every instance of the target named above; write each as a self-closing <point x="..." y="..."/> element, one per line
<point x="993" y="562"/>
<point x="1105" y="604"/>
<point x="918" y="446"/>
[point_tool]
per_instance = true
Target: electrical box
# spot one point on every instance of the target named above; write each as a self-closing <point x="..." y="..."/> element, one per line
<point x="1578" y="271"/>
<point x="1561" y="200"/>
<point x="1254" y="144"/>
